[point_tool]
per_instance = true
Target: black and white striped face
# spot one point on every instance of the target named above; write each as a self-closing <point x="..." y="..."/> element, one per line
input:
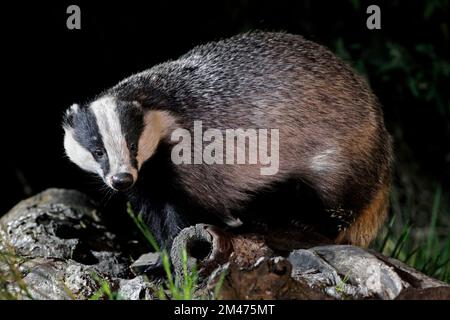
<point x="111" y="138"/>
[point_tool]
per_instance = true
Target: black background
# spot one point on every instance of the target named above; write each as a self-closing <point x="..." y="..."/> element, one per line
<point x="47" y="67"/>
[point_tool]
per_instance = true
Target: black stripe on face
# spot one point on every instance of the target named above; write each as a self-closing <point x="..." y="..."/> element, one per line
<point x="87" y="134"/>
<point x="132" y="123"/>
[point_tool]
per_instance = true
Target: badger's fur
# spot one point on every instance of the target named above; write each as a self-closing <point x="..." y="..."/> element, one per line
<point x="334" y="151"/>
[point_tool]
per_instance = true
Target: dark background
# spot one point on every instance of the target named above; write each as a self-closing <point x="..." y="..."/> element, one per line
<point x="48" y="67"/>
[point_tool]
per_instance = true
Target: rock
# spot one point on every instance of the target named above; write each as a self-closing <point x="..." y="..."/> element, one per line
<point x="137" y="288"/>
<point x="339" y="271"/>
<point x="308" y="266"/>
<point x="336" y="271"/>
<point x="56" y="245"/>
<point x="415" y="278"/>
<point x="80" y="281"/>
<point x="367" y="277"/>
<point x="45" y="280"/>
<point x="146" y="262"/>
<point x="63" y="246"/>
<point x="197" y="242"/>
<point x="268" y="278"/>
<point x="205" y="245"/>
<point x="209" y="247"/>
<point x="430" y="293"/>
<point x="59" y="224"/>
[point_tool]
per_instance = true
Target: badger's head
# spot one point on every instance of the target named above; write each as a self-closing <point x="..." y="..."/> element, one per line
<point x="113" y="138"/>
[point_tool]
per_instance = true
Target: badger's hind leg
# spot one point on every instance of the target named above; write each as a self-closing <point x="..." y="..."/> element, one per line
<point x="367" y="223"/>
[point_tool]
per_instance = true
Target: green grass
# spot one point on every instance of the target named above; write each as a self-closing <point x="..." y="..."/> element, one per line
<point x="340" y="287"/>
<point x="10" y="273"/>
<point x="181" y="288"/>
<point x="142" y="226"/>
<point x="428" y="252"/>
<point x="104" y="292"/>
<point x="178" y="288"/>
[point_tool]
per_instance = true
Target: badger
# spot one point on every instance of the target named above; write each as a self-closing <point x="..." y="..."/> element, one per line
<point x="335" y="154"/>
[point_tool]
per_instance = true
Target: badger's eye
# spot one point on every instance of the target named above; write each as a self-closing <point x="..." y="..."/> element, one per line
<point x="98" y="153"/>
<point x="133" y="147"/>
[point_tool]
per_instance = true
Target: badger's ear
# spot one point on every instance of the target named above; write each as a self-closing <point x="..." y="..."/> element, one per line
<point x="69" y="115"/>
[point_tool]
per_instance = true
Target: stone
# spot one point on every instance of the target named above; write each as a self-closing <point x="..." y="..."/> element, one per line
<point x="367" y="277"/>
<point x="137" y="288"/>
<point x="308" y="266"/>
<point x="146" y="262"/>
<point x="63" y="246"/>
<point x="56" y="245"/>
<point x="267" y="279"/>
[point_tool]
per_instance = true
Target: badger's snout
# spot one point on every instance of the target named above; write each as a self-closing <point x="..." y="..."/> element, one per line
<point x="122" y="181"/>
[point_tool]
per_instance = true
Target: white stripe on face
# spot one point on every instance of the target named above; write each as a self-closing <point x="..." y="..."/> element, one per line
<point x="79" y="155"/>
<point x="105" y="111"/>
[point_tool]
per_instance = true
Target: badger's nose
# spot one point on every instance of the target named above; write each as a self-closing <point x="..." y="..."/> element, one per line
<point x="122" y="181"/>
